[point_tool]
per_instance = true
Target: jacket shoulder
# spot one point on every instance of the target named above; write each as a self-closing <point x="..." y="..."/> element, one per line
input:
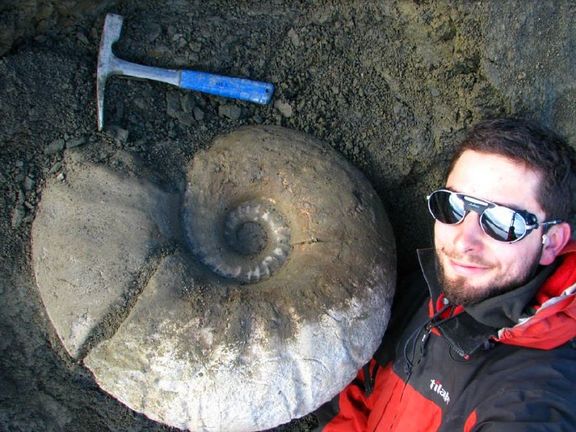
<point x="522" y="389"/>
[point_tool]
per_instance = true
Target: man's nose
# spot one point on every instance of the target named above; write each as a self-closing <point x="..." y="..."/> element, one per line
<point x="469" y="233"/>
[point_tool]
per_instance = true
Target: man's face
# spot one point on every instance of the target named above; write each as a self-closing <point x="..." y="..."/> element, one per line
<point x="473" y="266"/>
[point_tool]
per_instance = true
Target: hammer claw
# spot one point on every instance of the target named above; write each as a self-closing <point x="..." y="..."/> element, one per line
<point x="110" y="34"/>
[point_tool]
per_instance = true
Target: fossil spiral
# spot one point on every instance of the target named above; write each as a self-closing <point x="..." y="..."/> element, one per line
<point x="251" y="241"/>
<point x="242" y="300"/>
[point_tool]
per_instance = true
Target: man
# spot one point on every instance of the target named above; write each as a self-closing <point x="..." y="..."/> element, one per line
<point x="492" y="346"/>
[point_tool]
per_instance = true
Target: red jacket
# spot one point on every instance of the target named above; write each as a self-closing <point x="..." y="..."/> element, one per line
<point x="506" y="364"/>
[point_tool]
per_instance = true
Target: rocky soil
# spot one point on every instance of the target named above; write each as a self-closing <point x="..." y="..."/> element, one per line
<point x="390" y="85"/>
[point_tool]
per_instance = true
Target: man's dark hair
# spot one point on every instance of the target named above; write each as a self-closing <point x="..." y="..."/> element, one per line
<point x="538" y="148"/>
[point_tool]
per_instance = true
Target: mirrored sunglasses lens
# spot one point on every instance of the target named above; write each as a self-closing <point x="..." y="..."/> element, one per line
<point x="503" y="224"/>
<point x="446" y="207"/>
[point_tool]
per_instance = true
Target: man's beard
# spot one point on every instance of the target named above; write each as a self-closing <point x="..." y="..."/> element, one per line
<point x="458" y="292"/>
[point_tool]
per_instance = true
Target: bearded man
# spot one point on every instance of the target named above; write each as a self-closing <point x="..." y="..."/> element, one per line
<point x="484" y="339"/>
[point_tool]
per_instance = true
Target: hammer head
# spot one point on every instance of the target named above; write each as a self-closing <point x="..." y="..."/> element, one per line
<point x="106" y="60"/>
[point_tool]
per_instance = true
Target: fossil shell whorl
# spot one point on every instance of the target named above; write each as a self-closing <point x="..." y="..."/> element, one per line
<point x="278" y="294"/>
<point x="248" y="243"/>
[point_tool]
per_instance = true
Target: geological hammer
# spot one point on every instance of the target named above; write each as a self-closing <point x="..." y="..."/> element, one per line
<point x="108" y="65"/>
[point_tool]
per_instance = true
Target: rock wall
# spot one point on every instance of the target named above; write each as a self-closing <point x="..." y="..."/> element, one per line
<point x="390" y="85"/>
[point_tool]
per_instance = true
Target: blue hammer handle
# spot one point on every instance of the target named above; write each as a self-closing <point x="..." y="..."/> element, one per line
<point x="237" y="88"/>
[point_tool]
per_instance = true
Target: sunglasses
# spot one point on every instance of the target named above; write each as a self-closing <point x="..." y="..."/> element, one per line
<point x="497" y="221"/>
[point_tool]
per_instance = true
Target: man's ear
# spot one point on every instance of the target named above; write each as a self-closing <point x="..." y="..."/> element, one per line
<point x="554" y="241"/>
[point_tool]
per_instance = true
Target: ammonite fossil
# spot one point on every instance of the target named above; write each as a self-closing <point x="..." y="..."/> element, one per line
<point x="245" y="301"/>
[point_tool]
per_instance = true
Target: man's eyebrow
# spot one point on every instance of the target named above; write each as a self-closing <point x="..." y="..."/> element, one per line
<point x="510" y="206"/>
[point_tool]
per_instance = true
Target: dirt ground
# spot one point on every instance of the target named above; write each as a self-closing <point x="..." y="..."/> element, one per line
<point x="390" y="85"/>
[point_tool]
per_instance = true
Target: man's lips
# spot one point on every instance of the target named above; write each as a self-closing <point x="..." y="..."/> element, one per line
<point x="467" y="268"/>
